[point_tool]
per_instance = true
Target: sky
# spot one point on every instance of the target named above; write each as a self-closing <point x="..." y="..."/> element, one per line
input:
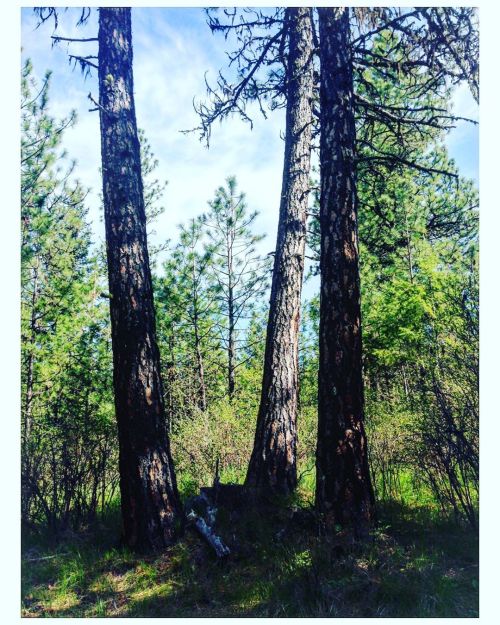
<point x="173" y="50"/>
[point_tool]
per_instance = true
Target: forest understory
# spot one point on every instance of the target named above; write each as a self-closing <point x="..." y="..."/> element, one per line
<point x="414" y="564"/>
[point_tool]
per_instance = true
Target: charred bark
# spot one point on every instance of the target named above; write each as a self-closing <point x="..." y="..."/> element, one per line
<point x="273" y="461"/>
<point x="343" y="486"/>
<point x="151" y="507"/>
<point x="171" y="378"/>
<point x="231" y="348"/>
<point x="200" y="369"/>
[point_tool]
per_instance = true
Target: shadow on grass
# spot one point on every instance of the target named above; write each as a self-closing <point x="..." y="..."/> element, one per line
<point x="281" y="565"/>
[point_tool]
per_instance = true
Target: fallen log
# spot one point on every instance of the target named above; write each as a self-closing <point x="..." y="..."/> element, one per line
<point x="232" y="497"/>
<point x="54" y="555"/>
<point x="208" y="534"/>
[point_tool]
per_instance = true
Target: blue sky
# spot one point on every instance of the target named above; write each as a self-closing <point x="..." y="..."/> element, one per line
<point x="173" y="48"/>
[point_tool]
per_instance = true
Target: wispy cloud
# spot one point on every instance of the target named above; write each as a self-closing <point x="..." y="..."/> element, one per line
<point x="173" y="49"/>
<point x="171" y="57"/>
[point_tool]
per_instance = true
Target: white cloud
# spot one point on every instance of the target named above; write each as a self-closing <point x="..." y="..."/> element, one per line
<point x="169" y="72"/>
<point x="69" y="91"/>
<point x="463" y="102"/>
<point x="169" y="67"/>
<point x="173" y="49"/>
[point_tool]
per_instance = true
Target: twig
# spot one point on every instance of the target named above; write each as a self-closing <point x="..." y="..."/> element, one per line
<point x="55" y="555"/>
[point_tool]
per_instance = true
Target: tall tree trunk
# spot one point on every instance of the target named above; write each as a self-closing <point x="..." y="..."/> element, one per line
<point x="202" y="394"/>
<point x="200" y="369"/>
<point x="231" y="349"/>
<point x="273" y="461"/>
<point x="151" y="507"/>
<point x="231" y="344"/>
<point x="343" y="485"/>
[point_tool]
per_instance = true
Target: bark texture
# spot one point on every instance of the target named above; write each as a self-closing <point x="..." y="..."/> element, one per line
<point x="151" y="507"/>
<point x="343" y="486"/>
<point x="200" y="368"/>
<point x="231" y="345"/>
<point x="273" y="461"/>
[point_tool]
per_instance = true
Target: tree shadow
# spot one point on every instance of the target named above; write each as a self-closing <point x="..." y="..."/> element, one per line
<point x="283" y="563"/>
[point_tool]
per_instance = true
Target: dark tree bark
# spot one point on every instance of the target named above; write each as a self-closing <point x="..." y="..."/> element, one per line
<point x="343" y="486"/>
<point x="231" y="344"/>
<point x="151" y="507"/>
<point x="273" y="461"/>
<point x="200" y="368"/>
<point x="171" y="379"/>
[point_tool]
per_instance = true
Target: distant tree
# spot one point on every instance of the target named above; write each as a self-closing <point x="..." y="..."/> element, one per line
<point x="41" y="191"/>
<point x="419" y="279"/>
<point x="68" y="434"/>
<point x="154" y="190"/>
<point x="239" y="270"/>
<point x="188" y="290"/>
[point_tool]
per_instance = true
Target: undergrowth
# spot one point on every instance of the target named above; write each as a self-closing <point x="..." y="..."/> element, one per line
<point x="415" y="564"/>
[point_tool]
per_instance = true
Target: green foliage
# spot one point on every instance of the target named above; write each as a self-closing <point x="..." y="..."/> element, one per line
<point x="222" y="433"/>
<point x="154" y="190"/>
<point x="68" y="432"/>
<point x="240" y="272"/>
<point x="207" y="302"/>
<point x="418" y="240"/>
<point x="188" y="318"/>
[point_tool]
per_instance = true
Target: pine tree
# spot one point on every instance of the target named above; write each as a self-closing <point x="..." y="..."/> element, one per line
<point x="68" y="434"/>
<point x="238" y="268"/>
<point x="343" y="486"/>
<point x="427" y="56"/>
<point x="150" y="502"/>
<point x="188" y="293"/>
<point x="273" y="460"/>
<point x="282" y="42"/>
<point x="154" y="190"/>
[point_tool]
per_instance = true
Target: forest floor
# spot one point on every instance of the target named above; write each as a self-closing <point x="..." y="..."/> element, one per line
<point x="414" y="565"/>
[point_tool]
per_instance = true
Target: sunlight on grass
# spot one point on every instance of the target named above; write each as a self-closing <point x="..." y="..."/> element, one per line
<point x="63" y="601"/>
<point x="300" y="560"/>
<point x="106" y="583"/>
<point x="415" y="565"/>
<point x="158" y="591"/>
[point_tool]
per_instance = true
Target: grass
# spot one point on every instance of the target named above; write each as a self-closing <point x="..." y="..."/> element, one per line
<point x="414" y="565"/>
